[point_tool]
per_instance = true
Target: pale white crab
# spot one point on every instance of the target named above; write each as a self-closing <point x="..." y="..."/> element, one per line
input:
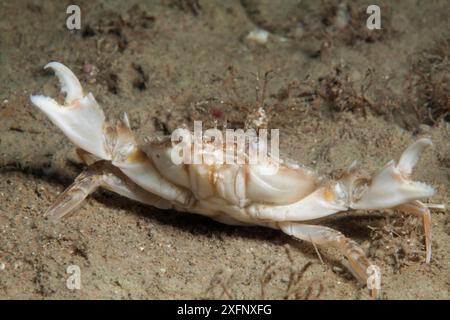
<point x="290" y="200"/>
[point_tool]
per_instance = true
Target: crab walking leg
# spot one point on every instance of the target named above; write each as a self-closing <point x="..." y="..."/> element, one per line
<point x="85" y="184"/>
<point x="358" y="264"/>
<point x="86" y="157"/>
<point x="100" y="174"/>
<point x="419" y="209"/>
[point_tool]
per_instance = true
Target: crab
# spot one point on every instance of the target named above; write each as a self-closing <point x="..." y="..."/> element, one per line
<point x="292" y="199"/>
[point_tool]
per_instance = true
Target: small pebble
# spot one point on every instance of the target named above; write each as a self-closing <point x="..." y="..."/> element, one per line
<point x="259" y="36"/>
<point x="337" y="269"/>
<point x="87" y="68"/>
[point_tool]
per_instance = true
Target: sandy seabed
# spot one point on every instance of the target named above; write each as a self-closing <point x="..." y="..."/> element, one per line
<point x="337" y="91"/>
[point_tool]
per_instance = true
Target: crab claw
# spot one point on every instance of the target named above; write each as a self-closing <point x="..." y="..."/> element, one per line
<point x="391" y="186"/>
<point x="411" y="156"/>
<point x="69" y="82"/>
<point x="81" y="118"/>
